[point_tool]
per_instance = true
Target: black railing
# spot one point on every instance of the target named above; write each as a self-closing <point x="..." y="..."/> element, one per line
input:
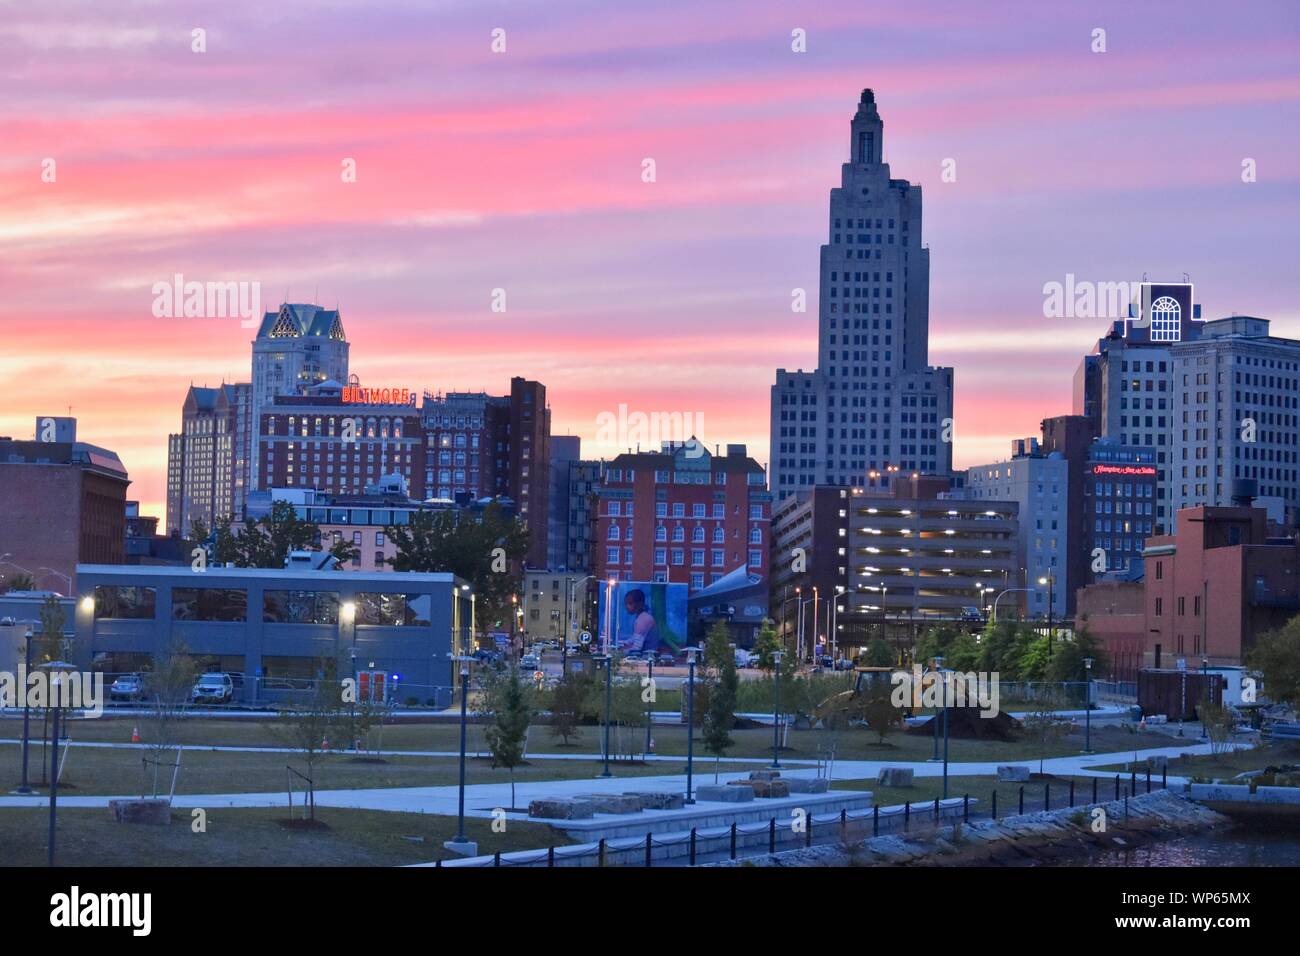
<point x="842" y="827"/>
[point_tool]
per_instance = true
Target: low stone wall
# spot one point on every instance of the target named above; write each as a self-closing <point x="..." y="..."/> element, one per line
<point x="1240" y="798"/>
<point x="1041" y="836"/>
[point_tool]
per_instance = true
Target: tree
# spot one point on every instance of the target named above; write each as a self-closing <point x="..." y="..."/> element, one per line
<point x="1036" y="657"/>
<point x="881" y="715"/>
<point x="307" y="725"/>
<point x="1067" y="662"/>
<point x="47" y="643"/>
<point x="22" y="581"/>
<point x="167" y="686"/>
<point x="1276" y="655"/>
<point x="566" y="705"/>
<point x="767" y="643"/>
<point x="1220" y="724"/>
<point x="936" y="642"/>
<point x="486" y="552"/>
<point x="1043" y="726"/>
<point x="507" y="699"/>
<point x="724" y="684"/>
<point x="879" y="654"/>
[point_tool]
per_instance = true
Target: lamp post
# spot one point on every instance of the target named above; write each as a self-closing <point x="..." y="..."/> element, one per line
<point x="944" y="688"/>
<point x="776" y="713"/>
<point x="1205" y="682"/>
<point x="691" y="653"/>
<point x="608" y="662"/>
<point x="649" y="704"/>
<point x="65" y="577"/>
<point x="1001" y="596"/>
<point x="459" y="844"/>
<point x="934" y="721"/>
<point x="1087" y="707"/>
<point x="1050" y="581"/>
<point x="24" y="787"/>
<point x="56" y="671"/>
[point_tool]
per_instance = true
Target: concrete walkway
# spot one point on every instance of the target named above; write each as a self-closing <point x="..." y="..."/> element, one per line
<point x="482" y="799"/>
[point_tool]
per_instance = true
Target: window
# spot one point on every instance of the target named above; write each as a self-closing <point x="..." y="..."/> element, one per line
<point x="209" y="604"/>
<point x="384" y="609"/>
<point x="755" y="559"/>
<point x="129" y="602"/>
<point x="300" y="607"/>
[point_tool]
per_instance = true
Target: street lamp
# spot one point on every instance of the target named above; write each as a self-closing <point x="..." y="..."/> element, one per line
<point x="1001" y="596"/>
<point x="691" y="653"/>
<point x="1205" y="683"/>
<point x="776" y="713"/>
<point x="459" y="844"/>
<point x="934" y="721"/>
<point x="649" y="704"/>
<point x="62" y="575"/>
<point x="608" y="662"/>
<point x="1087" y="707"/>
<point x="56" y="671"/>
<point x="24" y="787"/>
<point x="1050" y="581"/>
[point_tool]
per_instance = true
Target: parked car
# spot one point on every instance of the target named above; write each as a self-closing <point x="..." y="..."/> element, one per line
<point x="666" y="659"/>
<point x="213" y="689"/>
<point x="127" y="687"/>
<point x="530" y="662"/>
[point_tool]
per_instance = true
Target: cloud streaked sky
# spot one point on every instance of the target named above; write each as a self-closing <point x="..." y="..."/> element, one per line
<point x="522" y="171"/>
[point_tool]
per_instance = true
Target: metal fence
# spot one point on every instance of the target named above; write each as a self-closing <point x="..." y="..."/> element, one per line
<point x="846" y="827"/>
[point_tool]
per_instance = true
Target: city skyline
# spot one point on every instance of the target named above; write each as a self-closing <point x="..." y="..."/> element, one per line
<point x="523" y="171"/>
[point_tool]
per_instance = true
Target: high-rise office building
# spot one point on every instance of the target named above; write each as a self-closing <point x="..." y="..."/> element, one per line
<point x="874" y="406"/>
<point x="565" y="449"/>
<point x="296" y="347"/>
<point x="207" y="461"/>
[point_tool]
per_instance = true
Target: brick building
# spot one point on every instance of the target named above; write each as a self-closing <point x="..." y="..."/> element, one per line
<point x="1115" y="613"/>
<point x="61" y="503"/>
<point x="682" y="515"/>
<point x="1216" y="585"/>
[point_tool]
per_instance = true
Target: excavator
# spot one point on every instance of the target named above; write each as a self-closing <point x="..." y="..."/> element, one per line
<point x="868" y="682"/>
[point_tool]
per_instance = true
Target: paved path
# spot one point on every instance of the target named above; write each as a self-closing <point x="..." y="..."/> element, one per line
<point x="481" y="799"/>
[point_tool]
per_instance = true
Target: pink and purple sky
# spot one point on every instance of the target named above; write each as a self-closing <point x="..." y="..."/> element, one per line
<point x="522" y="170"/>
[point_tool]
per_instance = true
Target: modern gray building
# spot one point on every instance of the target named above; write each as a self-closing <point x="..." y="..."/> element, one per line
<point x="874" y="406"/>
<point x="565" y="449"/>
<point x="1039" y="483"/>
<point x="277" y="629"/>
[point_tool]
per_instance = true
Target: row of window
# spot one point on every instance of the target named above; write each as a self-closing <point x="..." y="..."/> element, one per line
<point x="278" y="607"/>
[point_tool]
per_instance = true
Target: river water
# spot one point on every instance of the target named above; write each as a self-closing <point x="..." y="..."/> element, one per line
<point x="1242" y="845"/>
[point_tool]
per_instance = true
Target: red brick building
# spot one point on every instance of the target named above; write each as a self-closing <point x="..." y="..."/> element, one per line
<point x="682" y="515"/>
<point x="320" y="441"/>
<point x="1215" y="586"/>
<point x="1115" y="613"/>
<point x="61" y="504"/>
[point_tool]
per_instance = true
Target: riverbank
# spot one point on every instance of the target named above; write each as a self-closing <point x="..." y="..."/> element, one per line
<point x="1033" y="838"/>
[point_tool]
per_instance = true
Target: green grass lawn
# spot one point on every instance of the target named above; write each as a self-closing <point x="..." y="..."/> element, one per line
<point x="98" y="771"/>
<point x="253" y="837"/>
<point x="670" y="740"/>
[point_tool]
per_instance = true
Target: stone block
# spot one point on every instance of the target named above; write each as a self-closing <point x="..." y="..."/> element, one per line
<point x="656" y="800"/>
<point x="894" y="777"/>
<point x="1013" y="773"/>
<point x="764" y="774"/>
<point x="561" y="808"/>
<point x="806" y="784"/>
<point x="611" y="802"/>
<point x="769" y="788"/>
<point x="713" y="793"/>
<point x="152" y="811"/>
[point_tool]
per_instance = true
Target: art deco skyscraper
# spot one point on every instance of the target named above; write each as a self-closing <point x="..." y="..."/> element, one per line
<point x="874" y="406"/>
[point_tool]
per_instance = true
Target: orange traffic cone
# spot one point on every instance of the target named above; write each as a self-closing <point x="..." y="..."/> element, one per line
<point x="135" y="735"/>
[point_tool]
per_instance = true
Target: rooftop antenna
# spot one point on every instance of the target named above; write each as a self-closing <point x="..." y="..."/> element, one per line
<point x="1186" y="277"/>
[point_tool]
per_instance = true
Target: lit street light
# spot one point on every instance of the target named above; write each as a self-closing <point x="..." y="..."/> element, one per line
<point x="776" y="713"/>
<point x="691" y="653"/>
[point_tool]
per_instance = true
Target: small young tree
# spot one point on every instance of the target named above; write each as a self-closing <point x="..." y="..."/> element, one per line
<point x="167" y="687"/>
<point x="307" y="725"/>
<point x="720" y="716"/>
<point x="507" y="699"/>
<point x="1220" y="725"/>
<point x="566" y="706"/>
<point x="1043" y="726"/>
<point x="766" y="644"/>
<point x="879" y="654"/>
<point x="881" y="716"/>
<point x="47" y="643"/>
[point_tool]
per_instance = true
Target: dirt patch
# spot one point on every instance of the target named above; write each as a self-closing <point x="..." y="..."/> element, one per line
<point x="308" y="824"/>
<point x="966" y="723"/>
